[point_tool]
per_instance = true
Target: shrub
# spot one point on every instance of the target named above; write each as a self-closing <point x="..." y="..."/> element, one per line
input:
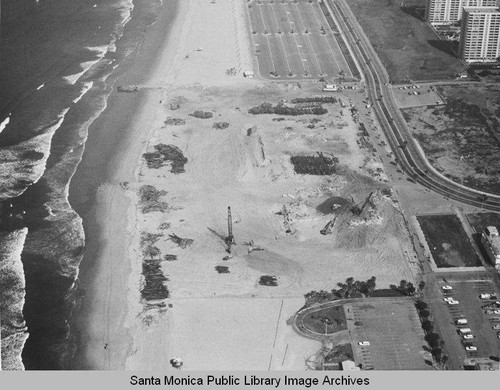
<point x="202" y="114"/>
<point x="221" y="125"/>
<point x="315" y="165"/>
<point x="149" y="199"/>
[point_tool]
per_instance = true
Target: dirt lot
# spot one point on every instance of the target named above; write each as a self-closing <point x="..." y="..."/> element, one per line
<point x="448" y="242"/>
<point x="405" y="44"/>
<point x="462" y="138"/>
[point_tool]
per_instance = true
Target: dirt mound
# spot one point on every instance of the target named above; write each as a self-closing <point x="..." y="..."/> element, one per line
<point x="334" y="204"/>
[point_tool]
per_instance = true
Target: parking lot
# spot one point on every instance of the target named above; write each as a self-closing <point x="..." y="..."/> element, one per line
<point x="477" y="312"/>
<point x="416" y="95"/>
<point x="392" y="329"/>
<point x="293" y="40"/>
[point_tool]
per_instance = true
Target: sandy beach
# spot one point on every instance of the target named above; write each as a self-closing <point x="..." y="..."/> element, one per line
<point x="220" y="320"/>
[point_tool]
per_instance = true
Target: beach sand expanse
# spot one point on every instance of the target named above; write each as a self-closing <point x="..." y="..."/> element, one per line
<point x="223" y="318"/>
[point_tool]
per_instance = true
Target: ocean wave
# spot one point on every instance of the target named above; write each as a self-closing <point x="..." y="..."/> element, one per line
<point x="12" y="293"/>
<point x="4" y="124"/>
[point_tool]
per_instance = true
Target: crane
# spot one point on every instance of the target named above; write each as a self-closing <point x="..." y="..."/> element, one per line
<point x="230" y="238"/>
<point x="356" y="210"/>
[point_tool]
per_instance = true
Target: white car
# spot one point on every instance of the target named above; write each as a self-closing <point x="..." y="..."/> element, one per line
<point x="453" y="302"/>
<point x="471" y="348"/>
<point x="496" y="327"/>
<point x="446" y="288"/>
<point x="496" y="311"/>
<point x="364" y="343"/>
<point x="468" y="336"/>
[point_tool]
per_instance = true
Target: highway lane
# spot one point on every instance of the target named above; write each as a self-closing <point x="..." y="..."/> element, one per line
<point x="408" y="154"/>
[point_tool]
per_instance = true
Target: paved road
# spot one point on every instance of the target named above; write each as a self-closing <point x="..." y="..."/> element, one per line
<point x="408" y="153"/>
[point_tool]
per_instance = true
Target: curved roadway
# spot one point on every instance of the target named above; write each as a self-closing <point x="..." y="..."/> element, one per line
<point x="409" y="155"/>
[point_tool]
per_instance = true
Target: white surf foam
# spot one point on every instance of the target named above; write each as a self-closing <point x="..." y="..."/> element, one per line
<point x="4" y="124"/>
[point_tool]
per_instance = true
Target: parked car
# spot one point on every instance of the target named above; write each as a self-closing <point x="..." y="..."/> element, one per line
<point x="453" y="302"/>
<point x="446" y="287"/>
<point x="364" y="343"/>
<point x="495" y="311"/>
<point x="461" y="321"/>
<point x="468" y="336"/>
<point x="471" y="348"/>
<point x="496" y="326"/>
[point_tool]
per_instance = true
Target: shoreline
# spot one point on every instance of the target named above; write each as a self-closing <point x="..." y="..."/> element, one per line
<point x="95" y="189"/>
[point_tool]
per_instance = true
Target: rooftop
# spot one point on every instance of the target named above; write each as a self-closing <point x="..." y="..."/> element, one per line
<point x="482" y="10"/>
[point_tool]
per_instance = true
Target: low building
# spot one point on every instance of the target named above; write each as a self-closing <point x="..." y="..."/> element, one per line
<point x="491" y="243"/>
<point x="349" y="365"/>
<point x="330" y="88"/>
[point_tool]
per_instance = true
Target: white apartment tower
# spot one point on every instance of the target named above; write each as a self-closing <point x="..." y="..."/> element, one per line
<point x="480" y="36"/>
<point x="439" y="12"/>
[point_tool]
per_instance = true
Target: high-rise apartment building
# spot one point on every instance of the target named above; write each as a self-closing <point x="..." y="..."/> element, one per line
<point x="439" y="12"/>
<point x="480" y="36"/>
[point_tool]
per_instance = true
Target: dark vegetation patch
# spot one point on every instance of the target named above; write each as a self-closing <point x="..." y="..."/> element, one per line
<point x="282" y="109"/>
<point x="448" y="241"/>
<point x="147" y="243"/>
<point x="316" y="99"/>
<point x="315" y="165"/>
<point x="166" y="154"/>
<point x="149" y="199"/>
<point x="181" y="242"/>
<point x="174" y="121"/>
<point x="462" y="138"/>
<point x="168" y="257"/>
<point x="326" y="321"/>
<point x="222" y="269"/>
<point x="339" y="353"/>
<point x="268" y="280"/>
<point x="202" y="114"/>
<point x="433" y="339"/>
<point x="154" y="287"/>
<point x="221" y="125"/>
<point x="350" y="289"/>
<point x="404" y="288"/>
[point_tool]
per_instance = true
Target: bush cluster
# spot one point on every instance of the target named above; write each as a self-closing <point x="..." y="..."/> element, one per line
<point x="202" y="114"/>
<point x="280" y="109"/>
<point x="315" y="165"/>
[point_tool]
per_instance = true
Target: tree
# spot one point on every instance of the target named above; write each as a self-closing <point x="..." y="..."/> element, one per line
<point x="427" y="326"/>
<point x="421" y="305"/>
<point x="421" y="285"/>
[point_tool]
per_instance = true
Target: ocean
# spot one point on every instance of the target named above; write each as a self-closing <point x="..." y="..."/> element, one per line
<point x="59" y="63"/>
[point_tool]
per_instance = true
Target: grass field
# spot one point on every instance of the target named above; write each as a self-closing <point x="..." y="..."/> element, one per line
<point x="408" y="47"/>
<point x="326" y="321"/>
<point x="293" y="40"/>
<point x="392" y="328"/>
<point x="462" y="138"/>
<point x="448" y="242"/>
